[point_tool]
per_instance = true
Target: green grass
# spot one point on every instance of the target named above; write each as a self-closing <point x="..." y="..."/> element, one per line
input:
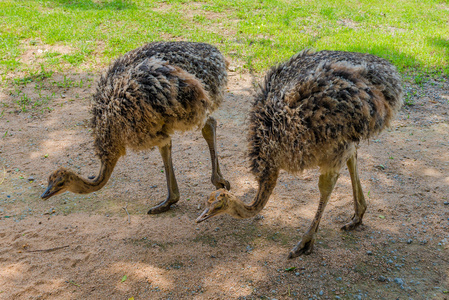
<point x="87" y="34"/>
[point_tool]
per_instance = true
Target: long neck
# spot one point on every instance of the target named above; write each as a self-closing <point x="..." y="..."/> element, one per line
<point x="266" y="185"/>
<point x="86" y="186"/>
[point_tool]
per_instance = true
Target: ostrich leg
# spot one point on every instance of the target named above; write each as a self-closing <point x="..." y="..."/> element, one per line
<point x="209" y="134"/>
<point x="326" y="184"/>
<point x="359" y="199"/>
<point x="172" y="185"/>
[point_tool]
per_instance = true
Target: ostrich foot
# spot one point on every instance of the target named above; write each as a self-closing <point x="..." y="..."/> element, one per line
<point x="163" y="206"/>
<point x="305" y="246"/>
<point x="354" y="223"/>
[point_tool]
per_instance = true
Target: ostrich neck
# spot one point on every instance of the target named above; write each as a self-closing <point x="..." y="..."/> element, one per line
<point x="85" y="186"/>
<point x="266" y="185"/>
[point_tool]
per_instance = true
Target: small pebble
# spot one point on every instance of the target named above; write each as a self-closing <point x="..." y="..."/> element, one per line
<point x="338" y="279"/>
<point x="382" y="278"/>
<point x="446" y="203"/>
<point x="399" y="281"/>
<point x="409" y="241"/>
<point x="369" y="252"/>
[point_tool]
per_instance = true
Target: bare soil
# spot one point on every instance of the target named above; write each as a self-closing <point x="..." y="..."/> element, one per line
<point x="88" y="247"/>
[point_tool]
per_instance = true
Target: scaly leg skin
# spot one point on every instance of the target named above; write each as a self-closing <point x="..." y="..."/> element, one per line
<point x="326" y="184"/>
<point x="209" y="134"/>
<point x="359" y="199"/>
<point x="172" y="185"/>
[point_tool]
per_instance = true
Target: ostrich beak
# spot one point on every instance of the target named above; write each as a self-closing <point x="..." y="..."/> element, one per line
<point x="48" y="192"/>
<point x="204" y="216"/>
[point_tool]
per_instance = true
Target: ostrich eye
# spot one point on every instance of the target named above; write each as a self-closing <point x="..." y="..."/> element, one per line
<point x="60" y="184"/>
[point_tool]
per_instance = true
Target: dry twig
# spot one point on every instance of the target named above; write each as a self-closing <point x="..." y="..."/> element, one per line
<point x="4" y="175"/>
<point x="129" y="217"/>
<point x="48" y="250"/>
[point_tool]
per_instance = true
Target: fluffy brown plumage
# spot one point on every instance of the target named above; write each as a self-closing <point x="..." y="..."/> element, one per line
<point x="150" y="92"/>
<point x="312" y="111"/>
<point x="314" y="106"/>
<point x="142" y="99"/>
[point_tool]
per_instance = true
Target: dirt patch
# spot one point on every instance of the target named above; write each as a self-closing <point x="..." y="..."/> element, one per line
<point x="36" y="54"/>
<point x="35" y="49"/>
<point x="162" y="7"/>
<point x="82" y="246"/>
<point x="348" y="23"/>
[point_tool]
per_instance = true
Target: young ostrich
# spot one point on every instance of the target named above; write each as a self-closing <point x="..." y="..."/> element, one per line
<point x="313" y="110"/>
<point x="141" y="100"/>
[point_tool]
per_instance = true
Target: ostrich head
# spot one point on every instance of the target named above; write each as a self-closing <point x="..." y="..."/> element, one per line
<point x="218" y="203"/>
<point x="58" y="182"/>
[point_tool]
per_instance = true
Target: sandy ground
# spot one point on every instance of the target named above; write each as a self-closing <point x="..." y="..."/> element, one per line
<point x="87" y="247"/>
